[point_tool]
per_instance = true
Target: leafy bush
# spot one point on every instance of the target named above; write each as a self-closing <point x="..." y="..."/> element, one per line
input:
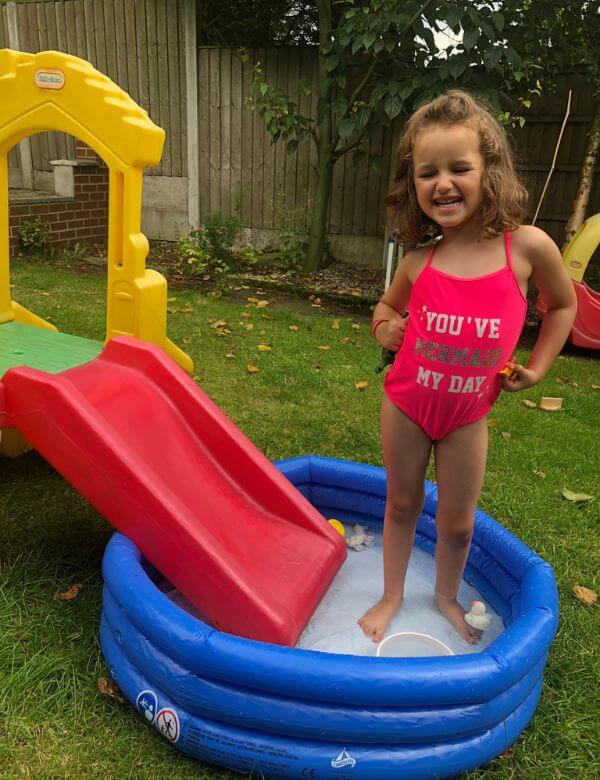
<point x="33" y="237"/>
<point x="209" y="250"/>
<point x="290" y="252"/>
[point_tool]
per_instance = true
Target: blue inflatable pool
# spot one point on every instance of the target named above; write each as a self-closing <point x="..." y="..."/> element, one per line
<point x="295" y="713"/>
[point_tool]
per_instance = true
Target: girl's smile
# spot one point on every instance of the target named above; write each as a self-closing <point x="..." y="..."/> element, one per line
<point x="448" y="168"/>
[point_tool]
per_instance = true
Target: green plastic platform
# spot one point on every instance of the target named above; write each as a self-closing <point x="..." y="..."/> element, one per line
<point x="46" y="350"/>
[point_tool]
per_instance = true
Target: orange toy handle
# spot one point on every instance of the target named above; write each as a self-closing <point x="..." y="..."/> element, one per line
<point x="507" y="371"/>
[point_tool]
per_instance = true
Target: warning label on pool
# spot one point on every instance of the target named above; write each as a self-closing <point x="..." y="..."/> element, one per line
<point x="167" y="722"/>
<point x="244" y="754"/>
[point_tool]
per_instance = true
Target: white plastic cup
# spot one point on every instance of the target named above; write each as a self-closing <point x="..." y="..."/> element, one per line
<point x="410" y="644"/>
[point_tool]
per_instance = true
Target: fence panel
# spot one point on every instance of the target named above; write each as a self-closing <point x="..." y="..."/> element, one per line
<point x="139" y="44"/>
<point x="239" y="163"/>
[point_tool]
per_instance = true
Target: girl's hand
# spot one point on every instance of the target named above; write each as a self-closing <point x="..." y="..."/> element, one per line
<point x="390" y="334"/>
<point x="520" y="378"/>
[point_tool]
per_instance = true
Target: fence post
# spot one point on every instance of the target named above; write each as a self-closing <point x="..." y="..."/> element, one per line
<point x="191" y="73"/>
<point x="24" y="145"/>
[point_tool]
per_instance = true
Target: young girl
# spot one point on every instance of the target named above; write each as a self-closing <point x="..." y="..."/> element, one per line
<point x="466" y="299"/>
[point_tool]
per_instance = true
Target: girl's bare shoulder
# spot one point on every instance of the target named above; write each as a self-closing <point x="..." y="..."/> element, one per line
<point x="532" y="243"/>
<point x="414" y="261"/>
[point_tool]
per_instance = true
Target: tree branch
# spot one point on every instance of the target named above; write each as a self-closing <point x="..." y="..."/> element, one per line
<point x="348" y="147"/>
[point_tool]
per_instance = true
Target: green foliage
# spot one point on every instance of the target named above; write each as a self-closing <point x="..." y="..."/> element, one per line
<point x="76" y="253"/>
<point x="290" y="251"/>
<point x="209" y="250"/>
<point x="33" y="237"/>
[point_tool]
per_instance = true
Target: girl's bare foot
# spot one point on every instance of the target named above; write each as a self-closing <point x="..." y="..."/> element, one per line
<point x="452" y="611"/>
<point x="376" y="620"/>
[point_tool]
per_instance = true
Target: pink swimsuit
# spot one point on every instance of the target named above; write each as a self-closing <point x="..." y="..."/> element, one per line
<point x="460" y="334"/>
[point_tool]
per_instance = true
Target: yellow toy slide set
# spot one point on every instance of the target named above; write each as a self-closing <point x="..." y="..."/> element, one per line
<point x="55" y="91"/>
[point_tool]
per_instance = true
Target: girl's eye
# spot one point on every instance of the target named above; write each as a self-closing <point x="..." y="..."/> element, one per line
<point x="426" y="175"/>
<point x="461" y="170"/>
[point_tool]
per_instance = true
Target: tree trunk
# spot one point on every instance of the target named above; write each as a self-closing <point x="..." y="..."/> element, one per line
<point x="318" y="221"/>
<point x="315" y="252"/>
<point x="586" y="178"/>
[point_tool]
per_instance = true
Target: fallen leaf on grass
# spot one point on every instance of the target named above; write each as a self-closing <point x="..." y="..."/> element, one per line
<point x="345" y="340"/>
<point x="323" y="346"/>
<point x="245" y="315"/>
<point x="108" y="688"/>
<point x="249" y="326"/>
<point x="294" y="327"/>
<point x="196" y="377"/>
<point x="595" y="387"/>
<point x="505" y="435"/>
<point x="491" y="422"/>
<point x="574" y="384"/>
<point x="541" y="474"/>
<point x="218" y="324"/>
<point x="258" y="304"/>
<point x="577" y="498"/>
<point x="356" y="326"/>
<point x="186" y="341"/>
<point x="361" y="385"/>
<point x="252" y="369"/>
<point x="230" y="355"/>
<point x="46" y="294"/>
<point x="264" y="348"/>
<point x="266" y="317"/>
<point x="68" y="594"/>
<point x="586" y="595"/>
<point x="335" y="325"/>
<point x="530" y="404"/>
<point x="171" y="300"/>
<point x="507" y="754"/>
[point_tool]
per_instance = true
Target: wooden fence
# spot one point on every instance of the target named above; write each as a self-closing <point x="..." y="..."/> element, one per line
<point x="240" y="165"/>
<point x="139" y="44"/>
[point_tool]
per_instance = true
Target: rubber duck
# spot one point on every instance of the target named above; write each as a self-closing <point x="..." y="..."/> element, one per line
<point x="477" y="617"/>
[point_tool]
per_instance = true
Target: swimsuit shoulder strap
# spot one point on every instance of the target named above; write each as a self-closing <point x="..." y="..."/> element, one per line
<point x="507" y="246"/>
<point x="430" y="255"/>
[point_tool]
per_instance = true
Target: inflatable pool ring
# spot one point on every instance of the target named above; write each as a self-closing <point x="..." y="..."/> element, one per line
<point x="285" y="712"/>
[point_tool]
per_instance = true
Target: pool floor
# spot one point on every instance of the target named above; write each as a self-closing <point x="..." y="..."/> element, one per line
<point x="357" y="586"/>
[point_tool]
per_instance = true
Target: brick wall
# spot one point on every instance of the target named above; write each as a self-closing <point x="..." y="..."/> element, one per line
<point x="82" y="219"/>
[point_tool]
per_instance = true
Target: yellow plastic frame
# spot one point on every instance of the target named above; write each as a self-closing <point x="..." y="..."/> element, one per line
<point x="581" y="247"/>
<point x="56" y="91"/>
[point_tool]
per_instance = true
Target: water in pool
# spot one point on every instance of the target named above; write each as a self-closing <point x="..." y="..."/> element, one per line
<point x="357" y="586"/>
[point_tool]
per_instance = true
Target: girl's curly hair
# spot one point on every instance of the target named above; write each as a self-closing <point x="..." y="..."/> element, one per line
<point x="504" y="198"/>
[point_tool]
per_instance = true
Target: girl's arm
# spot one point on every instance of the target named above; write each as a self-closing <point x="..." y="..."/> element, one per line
<point x="389" y="323"/>
<point x="549" y="275"/>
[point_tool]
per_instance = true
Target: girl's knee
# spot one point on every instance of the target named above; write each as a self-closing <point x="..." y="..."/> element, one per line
<point x="456" y="533"/>
<point x="406" y="506"/>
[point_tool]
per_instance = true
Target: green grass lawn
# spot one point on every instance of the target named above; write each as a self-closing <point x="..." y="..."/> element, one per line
<point x="302" y="400"/>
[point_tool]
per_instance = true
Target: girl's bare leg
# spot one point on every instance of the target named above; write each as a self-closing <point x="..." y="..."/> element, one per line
<point x="406" y="452"/>
<point x="460" y="461"/>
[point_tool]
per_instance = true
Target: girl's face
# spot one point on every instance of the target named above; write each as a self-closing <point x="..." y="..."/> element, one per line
<point x="448" y="169"/>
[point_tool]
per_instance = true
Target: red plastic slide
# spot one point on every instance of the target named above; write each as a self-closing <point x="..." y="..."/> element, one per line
<point x="134" y="434"/>
<point x="586" y="328"/>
